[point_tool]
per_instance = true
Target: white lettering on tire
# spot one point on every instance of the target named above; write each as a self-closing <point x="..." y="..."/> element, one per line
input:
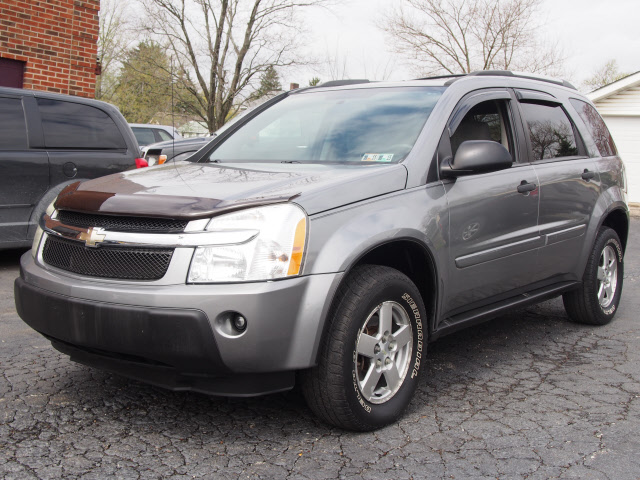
<point x="611" y="310"/>
<point x="420" y="334"/>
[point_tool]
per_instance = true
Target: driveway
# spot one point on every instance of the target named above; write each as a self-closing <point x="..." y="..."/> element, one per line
<point x="527" y="395"/>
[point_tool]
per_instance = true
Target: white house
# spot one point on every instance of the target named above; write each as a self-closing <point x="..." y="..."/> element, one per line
<point x="619" y="105"/>
<point x="193" y="129"/>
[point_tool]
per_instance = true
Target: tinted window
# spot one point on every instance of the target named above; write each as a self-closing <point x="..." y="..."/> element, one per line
<point x="485" y="121"/>
<point x="143" y="135"/>
<point x="355" y="125"/>
<point x="550" y="131"/>
<point x="73" y="125"/>
<point x="13" y="129"/>
<point x="164" y="135"/>
<point x="596" y="127"/>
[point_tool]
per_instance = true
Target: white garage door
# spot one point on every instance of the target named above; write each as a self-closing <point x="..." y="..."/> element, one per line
<point x="626" y="133"/>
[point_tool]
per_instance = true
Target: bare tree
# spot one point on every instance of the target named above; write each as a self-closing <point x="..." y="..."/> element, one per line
<point x="113" y="42"/>
<point x="377" y="68"/>
<point x="336" y="65"/>
<point x="606" y="74"/>
<point x="462" y="36"/>
<point x="224" y="45"/>
<point x="549" y="140"/>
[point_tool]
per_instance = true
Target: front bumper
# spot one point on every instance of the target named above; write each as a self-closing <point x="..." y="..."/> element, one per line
<point x="170" y="335"/>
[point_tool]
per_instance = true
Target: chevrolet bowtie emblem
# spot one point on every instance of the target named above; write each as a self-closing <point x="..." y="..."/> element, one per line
<point x="92" y="237"/>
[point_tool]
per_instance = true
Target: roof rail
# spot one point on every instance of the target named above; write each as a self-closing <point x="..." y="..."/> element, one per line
<point x="505" y="73"/>
<point x="454" y="76"/>
<point x="339" y="83"/>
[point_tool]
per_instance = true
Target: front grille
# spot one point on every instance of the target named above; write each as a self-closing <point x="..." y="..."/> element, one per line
<point x="107" y="262"/>
<point x="121" y="224"/>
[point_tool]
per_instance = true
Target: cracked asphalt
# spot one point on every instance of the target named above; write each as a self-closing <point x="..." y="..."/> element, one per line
<point x="527" y="395"/>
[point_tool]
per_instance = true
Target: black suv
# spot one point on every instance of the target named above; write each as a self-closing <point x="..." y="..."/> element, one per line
<point x="48" y="141"/>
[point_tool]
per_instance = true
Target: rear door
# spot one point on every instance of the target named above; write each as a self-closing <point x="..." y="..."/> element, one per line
<point x="24" y="173"/>
<point x="493" y="227"/>
<point x="569" y="183"/>
<point x="83" y="141"/>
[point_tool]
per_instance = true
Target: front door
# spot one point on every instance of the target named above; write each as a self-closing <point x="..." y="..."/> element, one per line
<point x="493" y="223"/>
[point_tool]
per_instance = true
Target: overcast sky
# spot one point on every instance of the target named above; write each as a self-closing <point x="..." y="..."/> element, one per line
<point x="589" y="32"/>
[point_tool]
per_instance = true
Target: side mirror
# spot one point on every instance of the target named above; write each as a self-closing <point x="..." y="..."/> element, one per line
<point x="476" y="156"/>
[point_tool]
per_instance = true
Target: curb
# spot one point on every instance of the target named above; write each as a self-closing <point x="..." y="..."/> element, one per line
<point x="634" y="209"/>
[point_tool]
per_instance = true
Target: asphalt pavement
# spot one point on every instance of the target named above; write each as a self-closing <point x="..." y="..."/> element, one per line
<point x="527" y="395"/>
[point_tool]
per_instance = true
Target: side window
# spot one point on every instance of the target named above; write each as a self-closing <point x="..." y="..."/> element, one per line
<point x="13" y="128"/>
<point x="144" y="136"/>
<point x="163" y="135"/>
<point x="550" y="131"/>
<point x="485" y="121"/>
<point x="73" y="125"/>
<point x="596" y="126"/>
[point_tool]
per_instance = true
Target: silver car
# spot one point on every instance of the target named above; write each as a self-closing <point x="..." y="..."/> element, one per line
<point x="147" y="133"/>
<point x="328" y="236"/>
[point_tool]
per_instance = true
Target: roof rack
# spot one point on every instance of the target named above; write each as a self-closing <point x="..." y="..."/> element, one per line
<point x="504" y="73"/>
<point x="339" y="83"/>
<point x="453" y="76"/>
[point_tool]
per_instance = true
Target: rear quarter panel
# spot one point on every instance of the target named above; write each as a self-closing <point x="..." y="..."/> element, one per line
<point x="613" y="196"/>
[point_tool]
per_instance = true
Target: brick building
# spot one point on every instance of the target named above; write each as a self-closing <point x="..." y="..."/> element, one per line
<point x="49" y="45"/>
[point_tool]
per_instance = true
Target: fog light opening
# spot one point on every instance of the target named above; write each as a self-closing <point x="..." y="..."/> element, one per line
<point x="239" y="322"/>
<point x="230" y="324"/>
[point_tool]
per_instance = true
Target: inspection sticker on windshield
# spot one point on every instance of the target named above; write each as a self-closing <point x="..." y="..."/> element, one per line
<point x="377" y="157"/>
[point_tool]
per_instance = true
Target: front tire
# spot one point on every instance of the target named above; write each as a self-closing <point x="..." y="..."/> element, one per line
<point x="597" y="299"/>
<point x="370" y="359"/>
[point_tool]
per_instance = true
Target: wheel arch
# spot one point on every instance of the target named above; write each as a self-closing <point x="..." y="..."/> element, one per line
<point x="405" y="255"/>
<point x="618" y="220"/>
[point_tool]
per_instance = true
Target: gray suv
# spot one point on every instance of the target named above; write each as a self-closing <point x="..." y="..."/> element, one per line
<point x="330" y="235"/>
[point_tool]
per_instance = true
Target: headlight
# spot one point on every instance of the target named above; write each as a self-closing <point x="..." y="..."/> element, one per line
<point x="276" y="251"/>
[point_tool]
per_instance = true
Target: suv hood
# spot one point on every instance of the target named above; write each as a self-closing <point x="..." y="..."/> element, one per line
<point x="197" y="190"/>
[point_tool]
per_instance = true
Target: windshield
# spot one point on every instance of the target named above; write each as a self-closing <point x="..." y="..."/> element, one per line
<point x="340" y="126"/>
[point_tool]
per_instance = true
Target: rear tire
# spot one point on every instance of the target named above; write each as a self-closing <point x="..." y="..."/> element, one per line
<point x="597" y="299"/>
<point x="369" y="360"/>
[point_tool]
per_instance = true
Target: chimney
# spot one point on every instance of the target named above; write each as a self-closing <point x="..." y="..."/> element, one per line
<point x="294" y="86"/>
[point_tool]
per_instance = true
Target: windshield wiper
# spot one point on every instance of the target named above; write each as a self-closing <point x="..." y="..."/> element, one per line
<point x="290" y="161"/>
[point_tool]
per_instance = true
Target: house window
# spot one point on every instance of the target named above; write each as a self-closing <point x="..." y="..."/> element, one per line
<point x="11" y="73"/>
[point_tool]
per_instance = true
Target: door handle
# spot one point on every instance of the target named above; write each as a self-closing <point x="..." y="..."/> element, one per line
<point x="587" y="175"/>
<point x="526" y="187"/>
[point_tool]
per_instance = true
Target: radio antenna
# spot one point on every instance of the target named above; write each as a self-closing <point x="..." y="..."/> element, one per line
<point x="173" y="123"/>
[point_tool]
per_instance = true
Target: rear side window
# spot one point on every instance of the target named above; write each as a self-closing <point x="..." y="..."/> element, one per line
<point x="596" y="127"/>
<point x="73" y="125"/>
<point x="164" y="135"/>
<point x="144" y="136"/>
<point x="550" y="131"/>
<point x="13" y="128"/>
